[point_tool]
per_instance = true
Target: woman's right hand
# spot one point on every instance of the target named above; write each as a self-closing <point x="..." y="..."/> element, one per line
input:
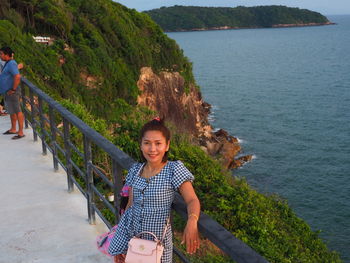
<point x="119" y="258"/>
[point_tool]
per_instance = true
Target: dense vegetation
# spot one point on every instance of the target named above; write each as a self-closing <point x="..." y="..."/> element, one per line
<point x="179" y="18"/>
<point x="105" y="40"/>
<point x="96" y="38"/>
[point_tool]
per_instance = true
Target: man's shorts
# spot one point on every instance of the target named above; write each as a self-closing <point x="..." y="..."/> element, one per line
<point x="12" y="102"/>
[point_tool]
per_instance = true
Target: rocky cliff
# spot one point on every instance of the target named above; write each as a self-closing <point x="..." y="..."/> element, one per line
<point x="165" y="93"/>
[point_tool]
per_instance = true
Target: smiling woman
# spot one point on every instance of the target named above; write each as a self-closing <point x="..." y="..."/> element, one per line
<point x="152" y="190"/>
<point x="155" y="142"/>
<point x="154" y="147"/>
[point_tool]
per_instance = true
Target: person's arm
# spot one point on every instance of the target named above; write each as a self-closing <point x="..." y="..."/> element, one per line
<point x="190" y="235"/>
<point x="16" y="82"/>
<point x="130" y="200"/>
<point x="121" y="257"/>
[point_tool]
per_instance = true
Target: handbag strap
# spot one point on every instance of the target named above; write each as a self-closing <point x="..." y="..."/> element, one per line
<point x="7" y="62"/>
<point x="165" y="229"/>
<point x="3" y="68"/>
<point x="152" y="234"/>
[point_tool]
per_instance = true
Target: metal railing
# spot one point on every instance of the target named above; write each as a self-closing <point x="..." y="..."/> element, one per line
<point x="58" y="128"/>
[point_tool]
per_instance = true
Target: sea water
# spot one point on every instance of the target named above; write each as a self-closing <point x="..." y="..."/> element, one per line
<point x="285" y="93"/>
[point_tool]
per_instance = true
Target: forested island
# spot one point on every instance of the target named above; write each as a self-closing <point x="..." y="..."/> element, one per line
<point x="115" y="69"/>
<point x="194" y="18"/>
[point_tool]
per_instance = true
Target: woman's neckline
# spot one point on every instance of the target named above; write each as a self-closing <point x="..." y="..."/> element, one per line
<point x="149" y="178"/>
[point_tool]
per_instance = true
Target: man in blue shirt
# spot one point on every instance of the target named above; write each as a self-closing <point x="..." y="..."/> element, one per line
<point x="9" y="84"/>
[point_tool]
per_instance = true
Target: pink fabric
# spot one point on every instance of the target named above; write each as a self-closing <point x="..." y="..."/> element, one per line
<point x="104" y="240"/>
<point x="125" y="191"/>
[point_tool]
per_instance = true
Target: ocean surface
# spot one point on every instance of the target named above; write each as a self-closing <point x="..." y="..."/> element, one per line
<point x="285" y="93"/>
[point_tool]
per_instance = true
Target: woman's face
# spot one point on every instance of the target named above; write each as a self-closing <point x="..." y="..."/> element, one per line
<point x="154" y="146"/>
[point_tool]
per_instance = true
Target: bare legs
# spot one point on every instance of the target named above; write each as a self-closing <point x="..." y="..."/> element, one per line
<point x="17" y="117"/>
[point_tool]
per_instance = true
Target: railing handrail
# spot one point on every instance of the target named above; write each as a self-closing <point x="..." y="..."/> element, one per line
<point x="123" y="159"/>
<point x="221" y="237"/>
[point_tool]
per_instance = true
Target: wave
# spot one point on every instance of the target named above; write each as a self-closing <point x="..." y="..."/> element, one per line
<point x="211" y="116"/>
<point x="240" y="141"/>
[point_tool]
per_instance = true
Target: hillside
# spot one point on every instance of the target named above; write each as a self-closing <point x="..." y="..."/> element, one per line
<point x="186" y="18"/>
<point x="100" y="42"/>
<point x="115" y="69"/>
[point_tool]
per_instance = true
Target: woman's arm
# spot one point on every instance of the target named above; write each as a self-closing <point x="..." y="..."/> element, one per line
<point x="121" y="257"/>
<point x="130" y="199"/>
<point x="190" y="235"/>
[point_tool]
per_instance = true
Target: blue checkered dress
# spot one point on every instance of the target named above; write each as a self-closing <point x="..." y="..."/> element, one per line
<point x="152" y="199"/>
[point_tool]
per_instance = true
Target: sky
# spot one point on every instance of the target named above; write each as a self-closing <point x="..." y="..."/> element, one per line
<point x="325" y="7"/>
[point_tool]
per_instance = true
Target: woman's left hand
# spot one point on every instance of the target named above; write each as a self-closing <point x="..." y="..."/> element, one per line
<point x="190" y="236"/>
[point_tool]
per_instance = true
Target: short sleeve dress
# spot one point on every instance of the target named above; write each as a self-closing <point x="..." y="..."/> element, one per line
<point x="152" y="199"/>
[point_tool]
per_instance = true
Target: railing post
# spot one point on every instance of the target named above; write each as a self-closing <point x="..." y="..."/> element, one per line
<point x="118" y="185"/>
<point x="32" y="114"/>
<point x="181" y="256"/>
<point x="53" y="138"/>
<point x="24" y="106"/>
<point x="68" y="155"/>
<point x="89" y="179"/>
<point x="42" y="126"/>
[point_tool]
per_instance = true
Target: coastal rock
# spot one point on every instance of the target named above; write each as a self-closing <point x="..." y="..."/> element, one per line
<point x="165" y="93"/>
<point x="304" y="24"/>
<point x="236" y="163"/>
<point x="223" y="145"/>
<point x="252" y="27"/>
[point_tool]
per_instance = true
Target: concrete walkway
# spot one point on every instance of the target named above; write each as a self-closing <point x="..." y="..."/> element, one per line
<point x="39" y="220"/>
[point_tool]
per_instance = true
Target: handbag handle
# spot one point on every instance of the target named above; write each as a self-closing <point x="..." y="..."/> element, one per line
<point x="150" y="233"/>
<point x="155" y="237"/>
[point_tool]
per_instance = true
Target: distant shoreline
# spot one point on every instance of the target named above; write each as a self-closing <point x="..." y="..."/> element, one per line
<point x="273" y="26"/>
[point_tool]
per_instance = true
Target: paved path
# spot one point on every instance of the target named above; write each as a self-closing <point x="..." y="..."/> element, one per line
<point x="39" y="220"/>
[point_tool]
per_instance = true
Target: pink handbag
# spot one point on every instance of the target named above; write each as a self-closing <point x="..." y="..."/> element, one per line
<point x="143" y="250"/>
<point x="146" y="251"/>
